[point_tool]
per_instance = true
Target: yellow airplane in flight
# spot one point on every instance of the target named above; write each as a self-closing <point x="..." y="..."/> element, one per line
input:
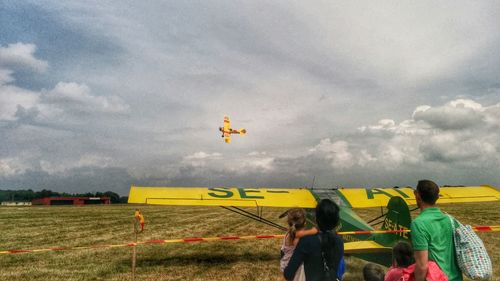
<point x="227" y="130"/>
<point x="371" y="247"/>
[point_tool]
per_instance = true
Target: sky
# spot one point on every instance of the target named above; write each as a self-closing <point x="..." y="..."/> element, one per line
<point x="101" y="95"/>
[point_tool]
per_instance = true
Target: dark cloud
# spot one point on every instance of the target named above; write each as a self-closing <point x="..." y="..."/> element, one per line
<point x="81" y="180"/>
<point x="325" y="90"/>
<point x="62" y="43"/>
<point x="26" y="116"/>
<point x="457" y="118"/>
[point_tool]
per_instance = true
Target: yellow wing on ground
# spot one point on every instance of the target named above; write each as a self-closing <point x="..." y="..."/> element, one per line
<point x="376" y="197"/>
<point x="362" y="247"/>
<point x="222" y="196"/>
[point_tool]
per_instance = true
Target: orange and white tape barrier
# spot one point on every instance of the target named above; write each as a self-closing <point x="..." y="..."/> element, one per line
<point x="183" y="240"/>
<point x="478" y="228"/>
<point x="223" y="238"/>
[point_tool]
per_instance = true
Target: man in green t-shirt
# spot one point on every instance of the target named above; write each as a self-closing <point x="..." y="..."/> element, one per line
<point x="432" y="235"/>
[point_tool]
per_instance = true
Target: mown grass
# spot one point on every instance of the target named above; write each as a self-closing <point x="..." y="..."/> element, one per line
<point x="67" y="226"/>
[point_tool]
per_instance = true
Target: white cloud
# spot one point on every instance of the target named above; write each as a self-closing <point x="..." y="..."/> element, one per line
<point x="201" y="159"/>
<point x="11" y="167"/>
<point x="11" y="97"/>
<point x="384" y="126"/>
<point x="255" y="163"/>
<point x="64" y="97"/>
<point x="457" y="114"/>
<point x="391" y="155"/>
<point x="77" y="97"/>
<point x="492" y="115"/>
<point x="449" y="147"/>
<point x="203" y="155"/>
<point x="252" y="162"/>
<point x="257" y="153"/>
<point x="87" y="160"/>
<point x="420" y="109"/>
<point x="5" y="76"/>
<point x="261" y="164"/>
<point x="465" y="103"/>
<point x="338" y="153"/>
<point x="20" y="55"/>
<point x="365" y="158"/>
<point x="462" y="131"/>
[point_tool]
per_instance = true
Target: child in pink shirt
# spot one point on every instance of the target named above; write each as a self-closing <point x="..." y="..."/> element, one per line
<point x="296" y="218"/>
<point x="403" y="266"/>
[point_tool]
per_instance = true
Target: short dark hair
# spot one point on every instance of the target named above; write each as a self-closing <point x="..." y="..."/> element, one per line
<point x="373" y="272"/>
<point x="402" y="253"/>
<point x="428" y="191"/>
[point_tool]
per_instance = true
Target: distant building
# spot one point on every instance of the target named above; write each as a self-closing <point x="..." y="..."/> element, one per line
<point x="71" y="201"/>
<point x="13" y="203"/>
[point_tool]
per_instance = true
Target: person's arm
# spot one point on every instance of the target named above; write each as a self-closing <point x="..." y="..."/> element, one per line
<point x="420" y="241"/>
<point x="296" y="260"/>
<point x="305" y="232"/>
<point x="421" y="259"/>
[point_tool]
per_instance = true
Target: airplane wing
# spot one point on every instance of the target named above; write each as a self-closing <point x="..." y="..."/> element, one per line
<point x="227" y="129"/>
<point x="222" y="196"/>
<point x="376" y="197"/>
<point x="363" y="247"/>
<point x="227" y="124"/>
<point x="300" y="197"/>
<point x="227" y="137"/>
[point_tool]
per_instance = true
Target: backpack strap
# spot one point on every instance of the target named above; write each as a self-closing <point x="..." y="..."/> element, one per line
<point x="452" y="220"/>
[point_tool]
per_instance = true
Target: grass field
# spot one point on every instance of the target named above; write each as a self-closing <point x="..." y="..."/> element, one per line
<point x="67" y="226"/>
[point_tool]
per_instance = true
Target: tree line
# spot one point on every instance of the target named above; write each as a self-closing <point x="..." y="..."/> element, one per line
<point x="28" y="195"/>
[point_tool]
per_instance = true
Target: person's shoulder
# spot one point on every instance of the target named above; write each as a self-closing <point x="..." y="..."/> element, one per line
<point x="393" y="274"/>
<point x="339" y="239"/>
<point x="418" y="224"/>
<point x="418" y="219"/>
<point x="306" y="243"/>
<point x="425" y="216"/>
<point x="309" y="238"/>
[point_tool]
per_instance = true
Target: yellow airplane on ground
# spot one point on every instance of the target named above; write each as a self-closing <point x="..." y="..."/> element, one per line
<point x="371" y="247"/>
<point x="227" y="131"/>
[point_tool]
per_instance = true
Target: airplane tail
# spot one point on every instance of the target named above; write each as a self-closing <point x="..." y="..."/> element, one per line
<point x="243" y="131"/>
<point x="398" y="218"/>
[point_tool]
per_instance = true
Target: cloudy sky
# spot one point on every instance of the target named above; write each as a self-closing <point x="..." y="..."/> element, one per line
<point x="99" y="95"/>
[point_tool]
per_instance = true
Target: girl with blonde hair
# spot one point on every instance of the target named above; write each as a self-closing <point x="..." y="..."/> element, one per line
<point x="296" y="219"/>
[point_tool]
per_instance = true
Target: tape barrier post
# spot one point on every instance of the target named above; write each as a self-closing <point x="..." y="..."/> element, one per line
<point x="138" y="225"/>
<point x="134" y="251"/>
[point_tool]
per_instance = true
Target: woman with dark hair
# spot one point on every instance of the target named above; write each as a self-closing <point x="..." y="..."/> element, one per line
<point x="320" y="253"/>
